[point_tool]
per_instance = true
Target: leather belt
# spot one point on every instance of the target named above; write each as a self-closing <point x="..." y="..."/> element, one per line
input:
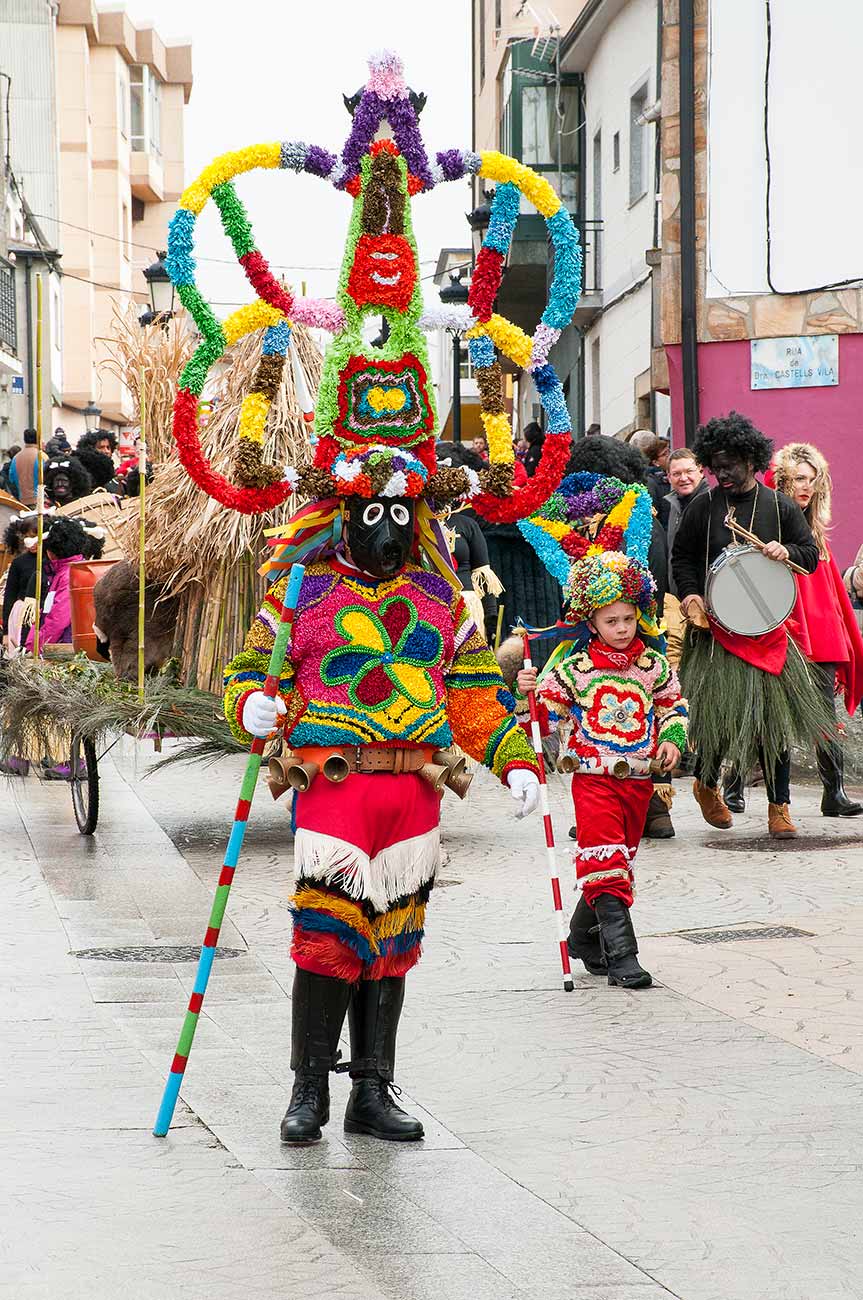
<point x="368" y="759"/>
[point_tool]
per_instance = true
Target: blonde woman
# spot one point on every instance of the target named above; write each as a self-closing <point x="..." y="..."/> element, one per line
<point x="823" y="622"/>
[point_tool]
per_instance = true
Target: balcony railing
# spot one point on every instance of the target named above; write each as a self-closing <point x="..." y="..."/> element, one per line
<point x="8" y="313"/>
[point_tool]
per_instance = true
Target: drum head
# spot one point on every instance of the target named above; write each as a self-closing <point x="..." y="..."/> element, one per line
<point x="748" y="593"/>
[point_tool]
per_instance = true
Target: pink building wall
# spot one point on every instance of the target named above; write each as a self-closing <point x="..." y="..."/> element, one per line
<point x="831" y="418"/>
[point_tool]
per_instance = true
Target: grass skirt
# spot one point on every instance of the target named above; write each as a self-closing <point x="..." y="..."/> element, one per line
<point x="735" y="709"/>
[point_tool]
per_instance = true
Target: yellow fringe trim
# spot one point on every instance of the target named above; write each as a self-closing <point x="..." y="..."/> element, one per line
<point x="225" y="168"/>
<point x="253" y="417"/>
<point x="253" y="316"/>
<point x="499" y="167"/>
<point x="485" y="581"/>
<point x="512" y="341"/>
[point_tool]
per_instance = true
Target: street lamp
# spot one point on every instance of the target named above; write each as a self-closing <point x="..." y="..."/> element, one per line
<point x="478" y="220"/>
<point x="455" y="294"/>
<point x="161" y="290"/>
<point x="92" y="416"/>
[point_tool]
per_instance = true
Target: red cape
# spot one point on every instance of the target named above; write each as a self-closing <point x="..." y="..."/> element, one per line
<point x="824" y="627"/>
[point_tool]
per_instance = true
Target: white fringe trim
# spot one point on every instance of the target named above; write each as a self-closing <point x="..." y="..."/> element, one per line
<point x="600" y="852"/>
<point x="400" y="869"/>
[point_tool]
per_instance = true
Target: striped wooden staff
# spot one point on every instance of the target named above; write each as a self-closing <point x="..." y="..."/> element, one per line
<point x="549" y="829"/>
<point x="232" y="854"/>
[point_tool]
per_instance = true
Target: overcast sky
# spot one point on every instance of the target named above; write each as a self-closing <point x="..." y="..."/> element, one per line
<point x="265" y="70"/>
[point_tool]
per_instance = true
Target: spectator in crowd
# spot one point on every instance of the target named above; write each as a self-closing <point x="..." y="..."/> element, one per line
<point x="131" y="483"/>
<point x="66" y="479"/>
<point x="687" y="482"/>
<point x="655" y="452"/>
<point x="60" y="439"/>
<point x="853" y="580"/>
<point x="592" y="431"/>
<point x="20" y="542"/>
<point x="8" y="456"/>
<point x="24" y="470"/>
<point x="534" y="437"/>
<point x="480" y="446"/>
<point x="98" y="462"/>
<point x="823" y="623"/>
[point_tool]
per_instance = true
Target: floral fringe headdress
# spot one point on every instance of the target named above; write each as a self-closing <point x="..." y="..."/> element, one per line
<point x="599" y="580"/>
<point x="375" y="421"/>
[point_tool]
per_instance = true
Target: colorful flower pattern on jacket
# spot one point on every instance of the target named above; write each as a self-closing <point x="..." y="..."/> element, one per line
<point x="382" y="662"/>
<point x="626" y="712"/>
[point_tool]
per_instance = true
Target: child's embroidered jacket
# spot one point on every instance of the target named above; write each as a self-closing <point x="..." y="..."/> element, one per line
<point x="623" y="704"/>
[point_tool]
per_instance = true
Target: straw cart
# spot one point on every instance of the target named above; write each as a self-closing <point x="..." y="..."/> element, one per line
<point x="203" y="556"/>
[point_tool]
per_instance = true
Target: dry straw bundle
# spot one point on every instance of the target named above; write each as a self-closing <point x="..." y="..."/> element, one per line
<point x="195" y="548"/>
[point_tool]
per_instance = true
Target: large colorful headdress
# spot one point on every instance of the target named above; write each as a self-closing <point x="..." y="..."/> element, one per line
<point x="586" y="515"/>
<point x="599" y="580"/>
<point x="375" y="419"/>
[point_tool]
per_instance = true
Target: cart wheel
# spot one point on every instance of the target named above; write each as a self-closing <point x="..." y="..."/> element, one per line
<point x="85" y="784"/>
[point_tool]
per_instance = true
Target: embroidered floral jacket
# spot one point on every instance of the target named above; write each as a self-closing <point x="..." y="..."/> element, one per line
<point x="623" y="704"/>
<point x="381" y="662"/>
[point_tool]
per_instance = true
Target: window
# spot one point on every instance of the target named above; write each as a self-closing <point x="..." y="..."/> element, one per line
<point x="123" y="102"/>
<point x="597" y="177"/>
<point x="137" y="106"/>
<point x="615" y="152"/>
<point x="498" y="17"/>
<point x="465" y="364"/>
<point x="539" y="125"/>
<point x="595" y="392"/>
<point x="637" y="146"/>
<point x="145" y="99"/>
<point x="505" y="107"/>
<point x="480" y="4"/>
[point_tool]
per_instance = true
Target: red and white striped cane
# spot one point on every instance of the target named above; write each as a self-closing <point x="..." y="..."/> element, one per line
<point x="549" y="829"/>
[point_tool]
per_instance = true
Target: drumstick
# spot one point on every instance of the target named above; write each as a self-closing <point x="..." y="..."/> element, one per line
<point x="739" y="531"/>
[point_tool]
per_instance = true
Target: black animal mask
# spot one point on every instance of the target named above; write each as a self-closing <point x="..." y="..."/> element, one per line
<point x="380" y="533"/>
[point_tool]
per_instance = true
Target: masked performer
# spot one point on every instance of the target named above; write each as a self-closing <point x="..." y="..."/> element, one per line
<point x="823" y="622"/>
<point x="386" y="665"/>
<point x="750" y="697"/>
<point x="626" y="709"/>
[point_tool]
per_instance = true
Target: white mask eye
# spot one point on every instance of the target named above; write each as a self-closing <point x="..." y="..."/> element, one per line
<point x="400" y="514"/>
<point x="373" y="513"/>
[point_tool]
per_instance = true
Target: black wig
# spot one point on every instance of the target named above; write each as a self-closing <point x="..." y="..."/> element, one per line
<point x="607" y="456"/>
<point x="737" y="437"/>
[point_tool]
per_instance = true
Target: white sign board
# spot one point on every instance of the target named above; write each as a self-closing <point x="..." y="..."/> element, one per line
<point x="810" y="361"/>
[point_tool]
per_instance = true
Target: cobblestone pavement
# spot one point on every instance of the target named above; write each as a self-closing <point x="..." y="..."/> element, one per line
<point x="702" y="1139"/>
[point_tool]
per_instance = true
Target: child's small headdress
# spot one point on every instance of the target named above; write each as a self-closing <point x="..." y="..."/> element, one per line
<point x="599" y="580"/>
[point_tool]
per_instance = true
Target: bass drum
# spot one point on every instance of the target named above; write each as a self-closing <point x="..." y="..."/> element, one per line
<point x="748" y="593"/>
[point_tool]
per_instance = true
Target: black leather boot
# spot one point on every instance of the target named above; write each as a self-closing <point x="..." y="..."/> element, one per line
<point x="619" y="944"/>
<point x="374" y="1018"/>
<point x="318" y="1007"/>
<point x="583" y="941"/>
<point x="733" y="791"/>
<point x="834" y="801"/>
<point x="659" y="825"/>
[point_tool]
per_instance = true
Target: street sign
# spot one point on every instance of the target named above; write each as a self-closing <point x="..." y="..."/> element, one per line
<point x="808" y="361"/>
<point x="17" y="385"/>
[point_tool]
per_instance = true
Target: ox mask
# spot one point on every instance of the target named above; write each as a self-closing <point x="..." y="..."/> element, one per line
<point x="380" y="534"/>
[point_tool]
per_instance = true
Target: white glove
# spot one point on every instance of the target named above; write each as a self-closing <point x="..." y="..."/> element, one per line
<point x="260" y="713"/>
<point x="524" y="787"/>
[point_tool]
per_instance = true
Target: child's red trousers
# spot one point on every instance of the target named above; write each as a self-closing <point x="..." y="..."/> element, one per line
<point x="609" y="817"/>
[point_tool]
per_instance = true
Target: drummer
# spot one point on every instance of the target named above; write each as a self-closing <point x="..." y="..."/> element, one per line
<point x="750" y="697"/>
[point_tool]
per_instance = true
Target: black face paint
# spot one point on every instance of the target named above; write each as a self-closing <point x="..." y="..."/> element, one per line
<point x="380" y="533"/>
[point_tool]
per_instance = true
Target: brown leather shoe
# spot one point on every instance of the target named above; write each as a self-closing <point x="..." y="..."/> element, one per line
<point x="713" y="807"/>
<point x="779" y="822"/>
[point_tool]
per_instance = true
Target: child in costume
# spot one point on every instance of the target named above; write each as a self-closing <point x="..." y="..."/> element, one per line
<point x="628" y="716"/>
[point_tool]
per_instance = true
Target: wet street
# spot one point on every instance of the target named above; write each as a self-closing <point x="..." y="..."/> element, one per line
<point x="702" y="1139"/>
